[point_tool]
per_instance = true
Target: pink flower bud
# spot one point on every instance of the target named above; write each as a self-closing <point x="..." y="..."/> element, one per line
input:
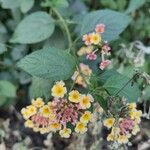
<point x="91" y="56"/>
<point x="100" y="28"/>
<point x="106" y="48"/>
<point x="104" y="64"/>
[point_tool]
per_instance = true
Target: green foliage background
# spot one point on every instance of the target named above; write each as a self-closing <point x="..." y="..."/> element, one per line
<point x="30" y="29"/>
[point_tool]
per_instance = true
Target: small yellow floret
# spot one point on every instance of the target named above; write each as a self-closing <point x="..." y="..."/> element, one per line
<point x="43" y="130"/>
<point x="55" y="126"/>
<point x="65" y="133"/>
<point x="110" y="137"/>
<point x="132" y="106"/>
<point x="38" y="102"/>
<point x="74" y="96"/>
<point x="80" y="128"/>
<point x="85" y="102"/>
<point x="25" y="113"/>
<point x="58" y="90"/>
<point x="135" y="130"/>
<point x="135" y="115"/>
<point x="122" y="139"/>
<point x="32" y="110"/>
<point x="29" y="124"/>
<point x="45" y="111"/>
<point x="95" y="38"/>
<point x="109" y="122"/>
<point x="86" y="117"/>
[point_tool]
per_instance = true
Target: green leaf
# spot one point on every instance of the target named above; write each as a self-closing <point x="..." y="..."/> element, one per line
<point x="116" y="82"/>
<point x="106" y="74"/>
<point x="40" y="88"/>
<point x="7" y="89"/>
<point x="10" y="4"/>
<point x="55" y="3"/>
<point x="56" y="40"/>
<point x="115" y="23"/>
<point x="61" y="4"/>
<point x="26" y="5"/>
<point x="2" y="48"/>
<point x="49" y="63"/>
<point x="133" y="5"/>
<point x="34" y="28"/>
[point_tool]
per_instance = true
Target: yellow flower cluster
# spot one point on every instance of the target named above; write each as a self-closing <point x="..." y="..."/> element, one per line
<point x="58" y="114"/>
<point x="82" y="75"/>
<point x="38" y="116"/>
<point x="123" y="128"/>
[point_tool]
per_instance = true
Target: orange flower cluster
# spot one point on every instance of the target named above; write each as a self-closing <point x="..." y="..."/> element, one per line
<point x="94" y="45"/>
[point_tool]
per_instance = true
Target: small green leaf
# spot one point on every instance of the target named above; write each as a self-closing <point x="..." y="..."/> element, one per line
<point x="133" y="5"/>
<point x="7" y="89"/>
<point x="49" y="63"/>
<point x="115" y="23"/>
<point x="34" y="28"/>
<point x="26" y="5"/>
<point x="116" y="82"/>
<point x="40" y="88"/>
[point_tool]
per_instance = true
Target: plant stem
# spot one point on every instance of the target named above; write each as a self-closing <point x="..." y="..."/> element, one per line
<point x="65" y="27"/>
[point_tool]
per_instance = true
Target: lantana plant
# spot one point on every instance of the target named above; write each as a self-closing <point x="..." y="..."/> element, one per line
<point x="70" y="109"/>
<point x="65" y="55"/>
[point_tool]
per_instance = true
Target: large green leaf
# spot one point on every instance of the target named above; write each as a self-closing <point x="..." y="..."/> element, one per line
<point x="34" y="28"/>
<point x="115" y="23"/>
<point x="7" y="89"/>
<point x="134" y="4"/>
<point x="116" y="82"/>
<point x="49" y="63"/>
<point x="40" y="88"/>
<point x="102" y="78"/>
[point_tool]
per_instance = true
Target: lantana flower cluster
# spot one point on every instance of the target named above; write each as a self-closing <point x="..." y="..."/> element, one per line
<point x="95" y="46"/>
<point x="123" y="128"/>
<point x="67" y="112"/>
